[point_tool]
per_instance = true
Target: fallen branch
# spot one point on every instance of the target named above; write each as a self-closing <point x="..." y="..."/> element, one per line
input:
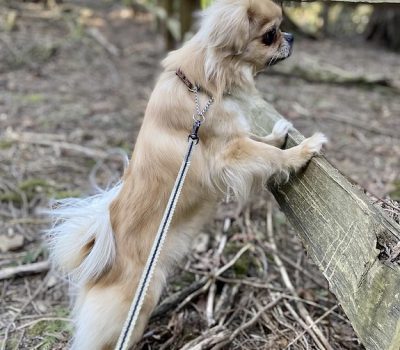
<point x="31" y="138"/>
<point x="341" y="231"/>
<point x="23" y="270"/>
<point x="313" y="71"/>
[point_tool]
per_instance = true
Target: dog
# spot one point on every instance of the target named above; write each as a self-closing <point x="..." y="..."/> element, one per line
<point x="102" y="242"/>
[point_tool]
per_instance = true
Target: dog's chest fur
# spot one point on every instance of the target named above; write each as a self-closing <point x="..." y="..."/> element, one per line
<point x="237" y="113"/>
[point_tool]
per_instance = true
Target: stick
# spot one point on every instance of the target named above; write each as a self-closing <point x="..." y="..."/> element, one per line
<point x="313" y="331"/>
<point x="205" y="340"/>
<point x="172" y="301"/>
<point x="311" y="325"/>
<point x="22" y="270"/>
<point x="103" y="41"/>
<point x="248" y="324"/>
<point x="29" y="138"/>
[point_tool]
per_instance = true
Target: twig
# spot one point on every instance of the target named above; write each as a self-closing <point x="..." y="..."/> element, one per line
<point x="210" y="305"/>
<point x="31" y="323"/>
<point x="247" y="324"/>
<point x="207" y="339"/>
<point x="294" y="265"/>
<point x="190" y="297"/>
<point x="225" y="302"/>
<point x="255" y="318"/>
<point x="172" y="301"/>
<point x="301" y="322"/>
<point x="27" y="269"/>
<point x="103" y="41"/>
<point x="29" y="138"/>
<point x="15" y="317"/>
<point x="311" y="325"/>
<point x="28" y="221"/>
<point x="248" y="282"/>
<point x="233" y="261"/>
<point x="314" y="331"/>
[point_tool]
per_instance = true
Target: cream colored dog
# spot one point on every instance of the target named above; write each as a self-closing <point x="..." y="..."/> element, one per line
<point x="102" y="242"/>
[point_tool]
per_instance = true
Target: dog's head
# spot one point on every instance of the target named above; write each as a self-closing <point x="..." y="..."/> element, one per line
<point x="248" y="31"/>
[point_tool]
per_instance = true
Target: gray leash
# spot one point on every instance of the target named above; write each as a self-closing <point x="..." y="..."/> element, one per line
<point x="145" y="279"/>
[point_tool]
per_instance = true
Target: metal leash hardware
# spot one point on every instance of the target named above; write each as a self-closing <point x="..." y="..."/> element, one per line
<point x="145" y="279"/>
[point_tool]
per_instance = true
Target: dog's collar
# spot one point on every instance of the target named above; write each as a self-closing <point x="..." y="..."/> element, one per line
<point x="192" y="87"/>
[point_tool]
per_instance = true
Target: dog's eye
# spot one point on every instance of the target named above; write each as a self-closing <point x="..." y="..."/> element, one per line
<point x="269" y="37"/>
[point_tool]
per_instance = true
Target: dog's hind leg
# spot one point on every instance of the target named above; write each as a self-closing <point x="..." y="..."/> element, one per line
<point x="99" y="319"/>
<point x="102" y="311"/>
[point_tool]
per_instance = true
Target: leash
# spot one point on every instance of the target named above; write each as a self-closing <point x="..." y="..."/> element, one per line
<point x="145" y="279"/>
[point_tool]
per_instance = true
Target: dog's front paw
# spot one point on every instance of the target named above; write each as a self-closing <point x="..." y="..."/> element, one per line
<point x="313" y="144"/>
<point x="280" y="131"/>
<point x="281" y="128"/>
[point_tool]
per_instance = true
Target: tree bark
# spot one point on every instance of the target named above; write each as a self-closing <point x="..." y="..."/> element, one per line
<point x="186" y="10"/>
<point x="384" y="26"/>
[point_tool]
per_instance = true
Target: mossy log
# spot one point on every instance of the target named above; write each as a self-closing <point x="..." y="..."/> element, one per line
<point x="352" y="241"/>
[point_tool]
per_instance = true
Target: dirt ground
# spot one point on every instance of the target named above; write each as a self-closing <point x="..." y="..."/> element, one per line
<point x="70" y="103"/>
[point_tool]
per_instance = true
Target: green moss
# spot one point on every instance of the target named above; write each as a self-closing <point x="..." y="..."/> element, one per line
<point x="33" y="184"/>
<point x="32" y="255"/>
<point x="49" y="331"/>
<point x="32" y="98"/>
<point x="183" y="280"/>
<point x="4" y="144"/>
<point x="13" y="342"/>
<point x="242" y="265"/>
<point x="62" y="312"/>
<point x="231" y="248"/>
<point x="38" y="328"/>
<point x="10" y="197"/>
<point x="65" y="194"/>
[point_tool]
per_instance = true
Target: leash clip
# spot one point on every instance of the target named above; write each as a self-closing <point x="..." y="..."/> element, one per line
<point x="194" y="134"/>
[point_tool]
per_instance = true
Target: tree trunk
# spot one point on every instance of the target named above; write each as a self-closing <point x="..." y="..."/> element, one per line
<point x="187" y="7"/>
<point x="384" y="26"/>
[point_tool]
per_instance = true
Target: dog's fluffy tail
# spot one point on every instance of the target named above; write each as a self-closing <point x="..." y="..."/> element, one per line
<point x="81" y="240"/>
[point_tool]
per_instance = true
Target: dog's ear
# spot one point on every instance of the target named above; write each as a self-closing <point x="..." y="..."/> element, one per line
<point x="227" y="25"/>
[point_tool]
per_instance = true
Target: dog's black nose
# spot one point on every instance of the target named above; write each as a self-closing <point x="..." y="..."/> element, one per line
<point x="288" y="37"/>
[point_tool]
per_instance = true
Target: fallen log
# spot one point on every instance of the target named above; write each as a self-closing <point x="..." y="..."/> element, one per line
<point x="353" y="242"/>
<point x="314" y="72"/>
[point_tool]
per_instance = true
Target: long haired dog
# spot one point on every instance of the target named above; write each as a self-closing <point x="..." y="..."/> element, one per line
<point x="102" y="242"/>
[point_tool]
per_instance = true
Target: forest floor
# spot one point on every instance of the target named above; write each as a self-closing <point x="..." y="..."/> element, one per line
<point x="70" y="101"/>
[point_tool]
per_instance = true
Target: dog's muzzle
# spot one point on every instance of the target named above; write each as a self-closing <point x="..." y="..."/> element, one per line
<point x="284" y="51"/>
